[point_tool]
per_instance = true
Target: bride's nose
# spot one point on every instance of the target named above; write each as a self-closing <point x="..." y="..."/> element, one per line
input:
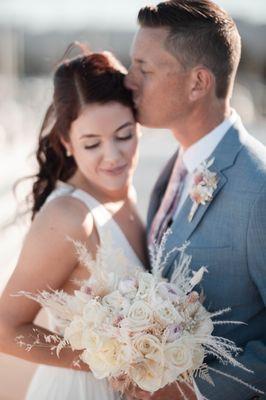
<point x="111" y="153"/>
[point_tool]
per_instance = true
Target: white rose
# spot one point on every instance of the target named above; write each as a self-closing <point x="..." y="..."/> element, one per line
<point x="128" y="288"/>
<point x="149" y="347"/>
<point x="107" y="360"/>
<point x="91" y="340"/>
<point x="74" y="333"/>
<point x="197" y="357"/>
<point x="140" y="315"/>
<point x="172" y="332"/>
<point x="178" y="355"/>
<point x="77" y="302"/>
<point x="204" y="328"/>
<point x="147" y="375"/>
<point x="94" y="313"/>
<point x="95" y="363"/>
<point x="166" y="313"/>
<point x="167" y="291"/>
<point x="146" y="285"/>
<point x="115" y="301"/>
<point x="204" y="325"/>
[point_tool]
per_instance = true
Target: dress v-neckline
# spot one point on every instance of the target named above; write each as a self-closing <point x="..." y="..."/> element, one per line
<point x="106" y="216"/>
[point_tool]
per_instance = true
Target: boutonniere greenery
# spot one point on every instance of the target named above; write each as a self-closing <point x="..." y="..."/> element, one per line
<point x="204" y="184"/>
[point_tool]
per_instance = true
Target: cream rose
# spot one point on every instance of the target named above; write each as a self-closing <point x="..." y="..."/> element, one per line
<point x="168" y="292"/>
<point x="94" y="361"/>
<point x="147" y="375"/>
<point x="77" y="302"/>
<point x="91" y="340"/>
<point x="74" y="333"/>
<point x="148" y="346"/>
<point x="178" y="355"/>
<point x="146" y="284"/>
<point x="94" y="313"/>
<point x="128" y="288"/>
<point x="166" y="313"/>
<point x="197" y="357"/>
<point x="114" y="300"/>
<point x="106" y="360"/>
<point x="204" y="325"/>
<point x="140" y="315"/>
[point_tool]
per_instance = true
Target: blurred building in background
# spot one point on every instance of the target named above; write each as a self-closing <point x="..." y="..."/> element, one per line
<point x="28" y="58"/>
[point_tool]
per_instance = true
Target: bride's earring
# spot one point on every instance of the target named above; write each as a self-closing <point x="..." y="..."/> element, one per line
<point x="68" y="153"/>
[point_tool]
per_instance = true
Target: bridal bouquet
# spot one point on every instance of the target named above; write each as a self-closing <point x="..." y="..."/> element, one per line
<point x="134" y="326"/>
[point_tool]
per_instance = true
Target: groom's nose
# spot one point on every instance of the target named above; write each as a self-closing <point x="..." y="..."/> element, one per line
<point x="130" y="81"/>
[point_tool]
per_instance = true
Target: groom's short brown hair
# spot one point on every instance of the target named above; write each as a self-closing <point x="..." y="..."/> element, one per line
<point x="200" y="32"/>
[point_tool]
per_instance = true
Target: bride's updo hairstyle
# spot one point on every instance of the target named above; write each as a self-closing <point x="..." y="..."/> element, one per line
<point x="89" y="78"/>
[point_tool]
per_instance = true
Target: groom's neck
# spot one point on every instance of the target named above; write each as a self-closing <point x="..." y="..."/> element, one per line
<point x="200" y="121"/>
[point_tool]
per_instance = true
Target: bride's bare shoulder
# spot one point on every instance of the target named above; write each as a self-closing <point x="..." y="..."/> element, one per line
<point x="65" y="214"/>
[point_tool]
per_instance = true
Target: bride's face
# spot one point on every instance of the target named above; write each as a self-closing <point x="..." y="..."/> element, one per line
<point x="104" y="143"/>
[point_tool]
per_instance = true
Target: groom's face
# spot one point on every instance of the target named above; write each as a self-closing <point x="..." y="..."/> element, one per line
<point x="159" y="82"/>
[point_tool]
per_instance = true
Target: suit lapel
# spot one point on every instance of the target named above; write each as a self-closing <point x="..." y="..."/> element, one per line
<point x="225" y="155"/>
<point x="182" y="229"/>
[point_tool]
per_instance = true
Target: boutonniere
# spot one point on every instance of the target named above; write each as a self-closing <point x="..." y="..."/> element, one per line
<point x="204" y="184"/>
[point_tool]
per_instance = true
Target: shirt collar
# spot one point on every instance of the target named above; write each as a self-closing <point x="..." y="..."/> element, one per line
<point x="203" y="148"/>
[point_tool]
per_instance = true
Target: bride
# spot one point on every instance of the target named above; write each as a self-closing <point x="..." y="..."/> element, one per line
<point x="88" y="150"/>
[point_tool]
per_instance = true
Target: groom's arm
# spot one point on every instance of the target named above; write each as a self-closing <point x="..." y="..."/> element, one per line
<point x="254" y="355"/>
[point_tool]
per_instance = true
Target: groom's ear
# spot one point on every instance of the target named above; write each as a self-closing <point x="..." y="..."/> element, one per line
<point x="201" y="83"/>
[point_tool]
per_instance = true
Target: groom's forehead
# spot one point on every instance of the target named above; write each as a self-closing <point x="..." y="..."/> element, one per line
<point x="150" y="36"/>
<point x="147" y="43"/>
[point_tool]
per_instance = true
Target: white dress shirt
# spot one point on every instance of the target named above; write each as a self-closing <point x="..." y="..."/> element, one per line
<point x="201" y="151"/>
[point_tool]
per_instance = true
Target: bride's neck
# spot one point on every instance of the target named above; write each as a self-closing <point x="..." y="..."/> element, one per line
<point x="103" y="196"/>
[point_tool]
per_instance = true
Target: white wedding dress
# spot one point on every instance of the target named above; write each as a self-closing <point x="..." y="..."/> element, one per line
<point x="55" y="383"/>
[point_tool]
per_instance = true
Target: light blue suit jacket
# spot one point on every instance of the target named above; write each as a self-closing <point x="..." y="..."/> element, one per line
<point x="228" y="235"/>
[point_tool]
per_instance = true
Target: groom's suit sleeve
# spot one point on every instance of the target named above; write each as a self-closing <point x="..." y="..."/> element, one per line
<point x="254" y="352"/>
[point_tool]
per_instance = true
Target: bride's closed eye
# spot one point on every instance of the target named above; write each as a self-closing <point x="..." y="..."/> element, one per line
<point x="120" y="137"/>
<point x="91" y="146"/>
<point x="124" y="136"/>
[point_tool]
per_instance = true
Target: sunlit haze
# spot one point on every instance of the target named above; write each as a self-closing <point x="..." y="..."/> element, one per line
<point x="102" y="14"/>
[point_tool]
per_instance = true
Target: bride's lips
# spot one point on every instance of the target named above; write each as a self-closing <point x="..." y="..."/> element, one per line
<point x="114" y="171"/>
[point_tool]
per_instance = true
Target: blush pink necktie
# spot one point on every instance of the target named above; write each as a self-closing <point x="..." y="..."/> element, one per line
<point x="169" y="204"/>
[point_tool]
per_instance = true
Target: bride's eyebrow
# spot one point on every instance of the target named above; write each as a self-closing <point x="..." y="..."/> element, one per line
<point x="88" y="136"/>
<point x="94" y="136"/>
<point x="125" y="125"/>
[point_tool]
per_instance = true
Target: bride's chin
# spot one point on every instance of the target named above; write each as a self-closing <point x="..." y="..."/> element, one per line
<point x="115" y="190"/>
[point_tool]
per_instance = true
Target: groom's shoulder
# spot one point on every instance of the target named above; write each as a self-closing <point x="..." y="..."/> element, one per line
<point x="252" y="161"/>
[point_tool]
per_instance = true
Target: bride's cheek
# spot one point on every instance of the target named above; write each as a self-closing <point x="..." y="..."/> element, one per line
<point x="132" y="148"/>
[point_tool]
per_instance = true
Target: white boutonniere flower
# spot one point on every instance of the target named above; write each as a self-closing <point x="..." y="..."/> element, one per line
<point x="204" y="184"/>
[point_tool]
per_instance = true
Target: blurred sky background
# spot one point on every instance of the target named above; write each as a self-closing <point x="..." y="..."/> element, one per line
<point x="118" y="14"/>
<point x="33" y="37"/>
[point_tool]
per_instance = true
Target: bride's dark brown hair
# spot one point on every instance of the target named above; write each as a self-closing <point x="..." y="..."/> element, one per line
<point x="89" y="78"/>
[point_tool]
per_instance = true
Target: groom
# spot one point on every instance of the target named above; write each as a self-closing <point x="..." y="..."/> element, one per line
<point x="184" y="61"/>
